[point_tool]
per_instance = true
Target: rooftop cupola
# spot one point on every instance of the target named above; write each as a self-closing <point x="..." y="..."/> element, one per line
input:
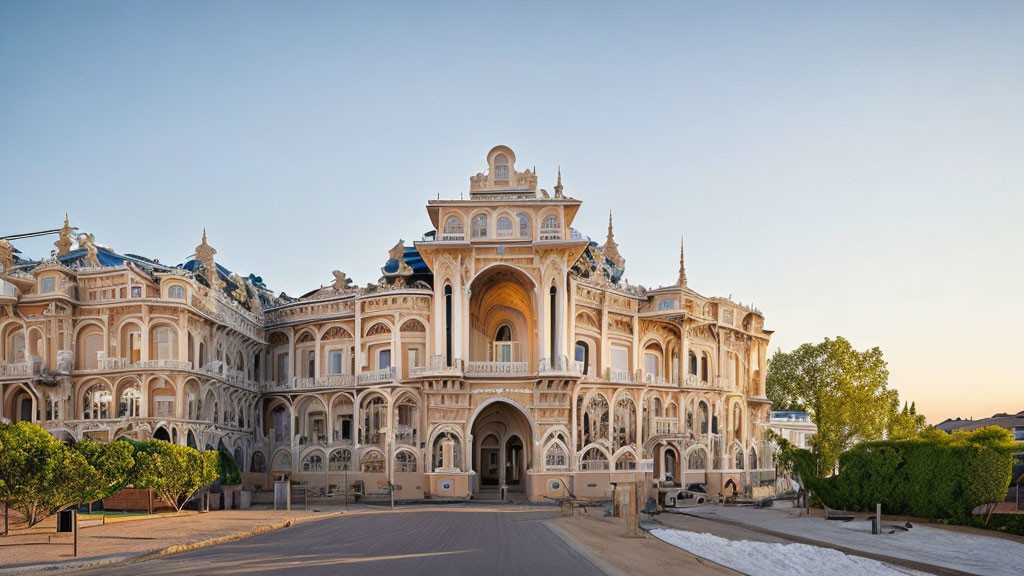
<point x="501" y="177"/>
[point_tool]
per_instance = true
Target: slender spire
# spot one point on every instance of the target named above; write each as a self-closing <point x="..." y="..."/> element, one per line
<point x="558" y="185"/>
<point x="611" y="248"/>
<point x="682" y="265"/>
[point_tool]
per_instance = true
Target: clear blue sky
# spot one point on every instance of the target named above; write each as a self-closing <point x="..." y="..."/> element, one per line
<point x="852" y="170"/>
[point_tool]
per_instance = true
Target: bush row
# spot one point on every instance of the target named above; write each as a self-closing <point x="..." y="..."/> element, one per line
<point x="935" y="475"/>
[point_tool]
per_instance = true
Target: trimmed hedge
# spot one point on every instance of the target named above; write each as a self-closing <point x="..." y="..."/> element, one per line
<point x="933" y="476"/>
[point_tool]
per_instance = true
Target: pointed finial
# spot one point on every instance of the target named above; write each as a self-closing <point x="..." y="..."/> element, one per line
<point x="558" y="185"/>
<point x="66" y="223"/>
<point x="682" y="265"/>
<point x="204" y="234"/>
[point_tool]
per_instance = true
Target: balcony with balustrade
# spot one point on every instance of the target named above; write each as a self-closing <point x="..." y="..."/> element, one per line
<point x="496" y="369"/>
<point x="437" y="367"/>
<point x="381" y="376"/>
<point x="560" y="366"/>
<point x="693" y="381"/>
<point x="665" y="426"/>
<point x="621" y="376"/>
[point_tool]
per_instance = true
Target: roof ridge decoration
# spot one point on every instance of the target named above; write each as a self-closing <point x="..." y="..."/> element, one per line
<point x="204" y="254"/>
<point x="64" y="242"/>
<point x="501" y="176"/>
<point x="558" y="185"/>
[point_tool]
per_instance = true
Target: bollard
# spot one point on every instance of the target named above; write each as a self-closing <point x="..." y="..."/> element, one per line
<point x="878" y="517"/>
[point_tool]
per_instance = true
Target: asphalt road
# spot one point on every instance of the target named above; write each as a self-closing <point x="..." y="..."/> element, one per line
<point x="410" y="541"/>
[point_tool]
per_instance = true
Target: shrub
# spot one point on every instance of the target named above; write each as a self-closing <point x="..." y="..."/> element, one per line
<point x="40" y="476"/>
<point x="934" y="475"/>
<point x="227" y="469"/>
<point x="174" y="472"/>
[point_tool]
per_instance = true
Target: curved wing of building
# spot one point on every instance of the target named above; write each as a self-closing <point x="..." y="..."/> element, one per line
<point x="501" y="350"/>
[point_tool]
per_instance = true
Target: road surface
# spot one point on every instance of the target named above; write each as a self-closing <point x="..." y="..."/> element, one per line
<point x="491" y="542"/>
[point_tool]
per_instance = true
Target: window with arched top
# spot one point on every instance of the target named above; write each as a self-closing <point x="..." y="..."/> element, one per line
<point x="504" y="227"/>
<point x="164" y="343"/>
<point x="555" y="457"/>
<point x="698" y="460"/>
<point x="582" y="355"/>
<point x="503" y="344"/>
<point x="176" y="292"/>
<point x="453" y="225"/>
<point x="501" y="167"/>
<point x="480" y="226"/>
<point x="405" y="461"/>
<point x="550" y="222"/>
<point x="524" y="225"/>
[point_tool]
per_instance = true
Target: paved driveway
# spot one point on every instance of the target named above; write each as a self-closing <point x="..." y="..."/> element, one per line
<point x="411" y="541"/>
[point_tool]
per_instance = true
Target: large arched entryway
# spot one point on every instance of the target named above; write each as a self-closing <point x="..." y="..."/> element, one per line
<point x="502" y="454"/>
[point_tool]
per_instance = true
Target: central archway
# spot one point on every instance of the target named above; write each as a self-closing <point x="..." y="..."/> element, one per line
<point x="502" y="448"/>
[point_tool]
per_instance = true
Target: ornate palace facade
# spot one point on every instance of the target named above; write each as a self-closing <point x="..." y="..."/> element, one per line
<point x="502" y="349"/>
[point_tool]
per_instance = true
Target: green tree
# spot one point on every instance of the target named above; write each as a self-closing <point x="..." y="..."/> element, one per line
<point x="174" y="472"/>
<point x="906" y="423"/>
<point x="844" y="390"/>
<point x="114" y="462"/>
<point x="39" y="475"/>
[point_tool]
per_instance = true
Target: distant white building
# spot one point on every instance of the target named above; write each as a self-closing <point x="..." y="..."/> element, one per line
<point x="793" y="425"/>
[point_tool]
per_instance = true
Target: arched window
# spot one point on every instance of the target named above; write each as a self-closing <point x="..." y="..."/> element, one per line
<point x="259" y="462"/>
<point x="626" y="462"/>
<point x="176" y="292"/>
<point x="524" y="225"/>
<point x="704" y="367"/>
<point x="164" y="343"/>
<point x="453" y="225"/>
<point x="698" y="460"/>
<point x="555" y="457"/>
<point x="753" y="459"/>
<point x="737" y="458"/>
<point x="624" y="433"/>
<point x="550" y="222"/>
<point x="583" y="354"/>
<point x="501" y="167"/>
<point x="130" y="402"/>
<point x="593" y="459"/>
<point x="554" y="322"/>
<point x="405" y="461"/>
<point x="96" y="403"/>
<point x="88" y="348"/>
<point x="480" y="226"/>
<point x="448" y="324"/>
<point x="373" y="462"/>
<point x="504" y="227"/>
<point x="594" y="421"/>
<point x="702" y="417"/>
<point x="693" y="363"/>
<point x="340" y="460"/>
<point x="312" y="463"/>
<point x="503" y="344"/>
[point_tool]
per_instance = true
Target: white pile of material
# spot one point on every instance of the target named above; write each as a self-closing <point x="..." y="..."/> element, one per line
<point x="764" y="559"/>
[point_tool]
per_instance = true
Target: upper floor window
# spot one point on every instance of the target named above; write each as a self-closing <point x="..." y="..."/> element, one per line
<point x="480" y="226"/>
<point x="501" y="167"/>
<point x="524" y="225"/>
<point x="336" y="361"/>
<point x="176" y="292"/>
<point x="550" y="222"/>
<point x="49" y="284"/>
<point x="668" y="304"/>
<point x="384" y="359"/>
<point x="453" y="225"/>
<point x="504" y="227"/>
